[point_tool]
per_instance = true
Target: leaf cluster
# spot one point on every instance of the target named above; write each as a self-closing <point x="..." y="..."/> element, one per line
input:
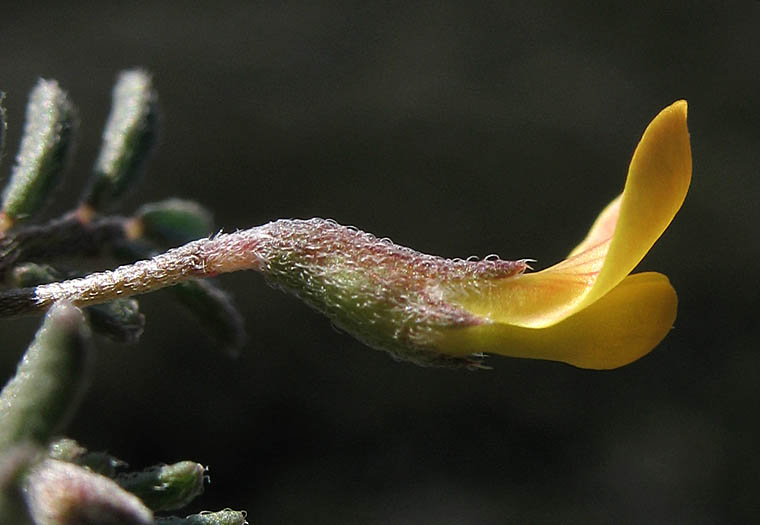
<point x="46" y="479"/>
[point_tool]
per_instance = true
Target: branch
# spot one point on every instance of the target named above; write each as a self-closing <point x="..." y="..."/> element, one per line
<point x="70" y="234"/>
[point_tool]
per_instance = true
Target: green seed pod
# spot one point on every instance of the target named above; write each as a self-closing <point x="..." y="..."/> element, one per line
<point x="127" y="139"/>
<point x="49" y="381"/>
<point x="45" y="146"/>
<point x="166" y="487"/>
<point x="174" y="221"/>
<point x="222" y="517"/>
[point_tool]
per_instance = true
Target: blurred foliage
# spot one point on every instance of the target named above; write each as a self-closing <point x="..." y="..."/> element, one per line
<point x="73" y="485"/>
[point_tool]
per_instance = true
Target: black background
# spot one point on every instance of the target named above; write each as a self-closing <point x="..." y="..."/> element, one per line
<point x="457" y="129"/>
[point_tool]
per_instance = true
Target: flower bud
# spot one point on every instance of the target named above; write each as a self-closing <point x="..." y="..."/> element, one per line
<point x="166" y="487"/>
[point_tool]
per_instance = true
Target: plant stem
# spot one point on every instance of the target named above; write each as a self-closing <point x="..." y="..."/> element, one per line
<point x="69" y="234"/>
<point x="197" y="259"/>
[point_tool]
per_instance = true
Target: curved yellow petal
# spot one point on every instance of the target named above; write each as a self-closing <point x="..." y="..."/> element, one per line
<point x="619" y="328"/>
<point x="658" y="179"/>
<point x="602" y="229"/>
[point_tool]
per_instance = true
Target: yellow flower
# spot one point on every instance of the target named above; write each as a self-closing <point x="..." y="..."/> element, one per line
<point x="587" y="310"/>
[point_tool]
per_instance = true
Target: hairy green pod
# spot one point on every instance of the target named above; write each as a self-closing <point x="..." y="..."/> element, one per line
<point x="49" y="381"/>
<point x="127" y="139"/>
<point x="44" y="151"/>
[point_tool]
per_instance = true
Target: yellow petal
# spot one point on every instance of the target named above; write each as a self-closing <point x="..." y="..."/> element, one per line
<point x="602" y="229"/>
<point x="619" y="328"/>
<point x="658" y="179"/>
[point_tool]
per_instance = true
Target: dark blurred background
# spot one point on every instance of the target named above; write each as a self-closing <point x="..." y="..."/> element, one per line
<point x="457" y="129"/>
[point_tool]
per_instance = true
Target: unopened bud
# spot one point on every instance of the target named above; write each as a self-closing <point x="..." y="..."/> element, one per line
<point x="387" y="296"/>
<point x="166" y="487"/>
